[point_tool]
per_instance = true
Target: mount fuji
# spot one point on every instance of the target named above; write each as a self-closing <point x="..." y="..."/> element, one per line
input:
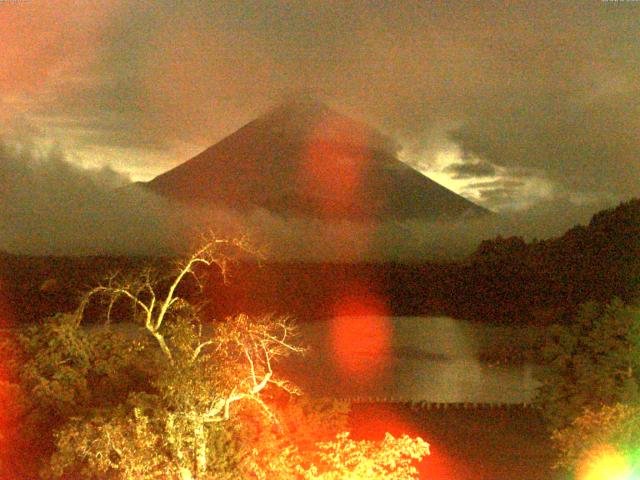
<point x="305" y="160"/>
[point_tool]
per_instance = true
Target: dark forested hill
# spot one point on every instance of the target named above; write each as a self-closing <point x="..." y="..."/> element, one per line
<point x="506" y="280"/>
<point x="597" y="261"/>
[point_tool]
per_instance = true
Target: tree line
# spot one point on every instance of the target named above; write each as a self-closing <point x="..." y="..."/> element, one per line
<point x="506" y="280"/>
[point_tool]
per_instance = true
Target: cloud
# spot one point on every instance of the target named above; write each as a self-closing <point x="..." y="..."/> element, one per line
<point x="499" y="183"/>
<point x="466" y="170"/>
<point x="51" y="206"/>
<point x="545" y="89"/>
<point x="503" y="193"/>
<point x="580" y="145"/>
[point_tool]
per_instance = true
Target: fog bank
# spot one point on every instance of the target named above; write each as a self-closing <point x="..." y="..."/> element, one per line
<point x="53" y="207"/>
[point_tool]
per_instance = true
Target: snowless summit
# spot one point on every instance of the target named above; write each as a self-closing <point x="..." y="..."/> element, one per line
<point x="303" y="159"/>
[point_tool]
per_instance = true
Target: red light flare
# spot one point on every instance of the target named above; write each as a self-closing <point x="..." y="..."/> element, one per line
<point x="10" y="406"/>
<point x="360" y="333"/>
<point x="6" y="326"/>
<point x="372" y="421"/>
<point x="335" y="156"/>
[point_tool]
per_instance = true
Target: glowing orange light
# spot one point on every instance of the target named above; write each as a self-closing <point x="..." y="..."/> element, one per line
<point x="336" y="155"/>
<point x="61" y="34"/>
<point x="373" y="421"/>
<point x="9" y="408"/>
<point x="606" y="463"/>
<point x="361" y="336"/>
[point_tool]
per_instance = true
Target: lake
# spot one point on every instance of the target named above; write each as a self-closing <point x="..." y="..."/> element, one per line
<point x="432" y="359"/>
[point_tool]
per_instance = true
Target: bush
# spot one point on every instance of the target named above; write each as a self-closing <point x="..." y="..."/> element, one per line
<point x="593" y="362"/>
<point x="612" y="432"/>
<point x="162" y="398"/>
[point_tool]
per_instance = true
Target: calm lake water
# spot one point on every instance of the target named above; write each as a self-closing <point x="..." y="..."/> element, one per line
<point x="432" y="359"/>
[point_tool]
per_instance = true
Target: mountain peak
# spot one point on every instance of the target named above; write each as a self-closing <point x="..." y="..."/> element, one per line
<point x="303" y="106"/>
<point x="295" y="115"/>
<point x="304" y="159"/>
<point x="310" y="120"/>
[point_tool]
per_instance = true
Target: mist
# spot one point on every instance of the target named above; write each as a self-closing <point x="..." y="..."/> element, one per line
<point x="317" y="240"/>
<point x="51" y="206"/>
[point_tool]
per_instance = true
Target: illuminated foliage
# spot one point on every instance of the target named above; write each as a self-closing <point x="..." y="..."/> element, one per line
<point x="347" y="459"/>
<point x="300" y="423"/>
<point x="159" y="398"/>
<point x="167" y="396"/>
<point x="602" y="444"/>
<point x="593" y="362"/>
<point x="310" y="441"/>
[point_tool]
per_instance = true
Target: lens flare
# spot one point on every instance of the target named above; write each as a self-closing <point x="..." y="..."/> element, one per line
<point x="9" y="395"/>
<point x="361" y="336"/>
<point x="606" y="464"/>
<point x="336" y="155"/>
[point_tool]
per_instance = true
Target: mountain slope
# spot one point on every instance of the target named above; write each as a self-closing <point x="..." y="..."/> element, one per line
<point x="305" y="160"/>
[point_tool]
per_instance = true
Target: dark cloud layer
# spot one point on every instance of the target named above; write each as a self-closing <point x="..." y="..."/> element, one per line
<point x="50" y="206"/>
<point x="588" y="146"/>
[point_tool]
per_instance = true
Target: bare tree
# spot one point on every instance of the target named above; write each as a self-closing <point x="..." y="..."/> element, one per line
<point x="177" y="398"/>
<point x="196" y="373"/>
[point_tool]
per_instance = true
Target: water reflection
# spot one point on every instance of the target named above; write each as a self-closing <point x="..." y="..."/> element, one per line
<point x="431" y="359"/>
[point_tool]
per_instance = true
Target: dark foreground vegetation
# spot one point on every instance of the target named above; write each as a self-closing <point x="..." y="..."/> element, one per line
<point x="506" y="280"/>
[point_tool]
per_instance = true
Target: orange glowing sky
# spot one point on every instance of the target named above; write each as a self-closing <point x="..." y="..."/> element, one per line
<point x="507" y="104"/>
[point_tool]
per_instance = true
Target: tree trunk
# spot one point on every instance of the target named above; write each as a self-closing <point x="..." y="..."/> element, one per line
<point x="201" y="448"/>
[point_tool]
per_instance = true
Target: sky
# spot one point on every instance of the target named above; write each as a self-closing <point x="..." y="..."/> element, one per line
<point x="514" y="105"/>
<point x="505" y="102"/>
